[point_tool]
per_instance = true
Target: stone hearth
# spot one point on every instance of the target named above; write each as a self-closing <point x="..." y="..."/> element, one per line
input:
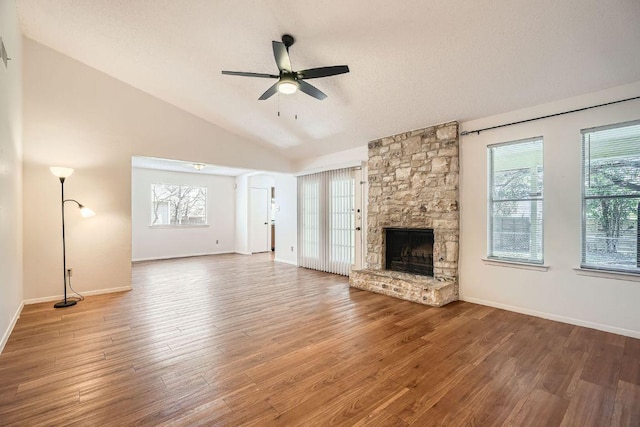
<point x="413" y="183"/>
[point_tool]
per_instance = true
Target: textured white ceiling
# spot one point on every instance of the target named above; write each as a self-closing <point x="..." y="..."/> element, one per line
<point x="413" y="63"/>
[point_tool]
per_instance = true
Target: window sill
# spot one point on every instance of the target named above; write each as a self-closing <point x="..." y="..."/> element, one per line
<point x="180" y="226"/>
<point x="617" y="275"/>
<point x="515" y="264"/>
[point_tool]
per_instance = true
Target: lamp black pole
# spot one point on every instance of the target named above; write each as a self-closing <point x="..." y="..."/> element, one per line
<point x="65" y="302"/>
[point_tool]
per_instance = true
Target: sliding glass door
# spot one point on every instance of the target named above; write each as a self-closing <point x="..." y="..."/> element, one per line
<point x="326" y="221"/>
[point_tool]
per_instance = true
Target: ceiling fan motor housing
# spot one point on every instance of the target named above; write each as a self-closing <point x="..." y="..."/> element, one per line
<point x="288" y="40"/>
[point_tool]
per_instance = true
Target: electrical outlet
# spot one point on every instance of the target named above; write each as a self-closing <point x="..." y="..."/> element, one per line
<point x="69" y="271"/>
<point x="216" y="242"/>
<point x="291" y="248"/>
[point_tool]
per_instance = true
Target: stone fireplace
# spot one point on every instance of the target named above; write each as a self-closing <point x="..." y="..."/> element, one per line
<point x="413" y="217"/>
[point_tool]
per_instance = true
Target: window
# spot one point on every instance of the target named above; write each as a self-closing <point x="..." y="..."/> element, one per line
<point x="342" y="218"/>
<point x="611" y="197"/>
<point x="515" y="201"/>
<point x="326" y="221"/>
<point x="178" y="205"/>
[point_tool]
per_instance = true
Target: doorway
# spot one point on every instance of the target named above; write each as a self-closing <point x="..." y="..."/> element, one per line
<point x="259" y="220"/>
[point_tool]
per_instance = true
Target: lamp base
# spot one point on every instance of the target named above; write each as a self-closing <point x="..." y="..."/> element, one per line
<point x="65" y="303"/>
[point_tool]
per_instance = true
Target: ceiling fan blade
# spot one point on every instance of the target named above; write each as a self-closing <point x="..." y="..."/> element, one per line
<point x="281" y="55"/>
<point x="311" y="90"/>
<point x="272" y="90"/>
<point x="314" y="73"/>
<point x="243" y="74"/>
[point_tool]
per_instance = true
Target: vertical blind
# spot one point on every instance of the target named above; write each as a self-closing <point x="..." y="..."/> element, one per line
<point x="611" y="197"/>
<point x="326" y="221"/>
<point x="515" y="201"/>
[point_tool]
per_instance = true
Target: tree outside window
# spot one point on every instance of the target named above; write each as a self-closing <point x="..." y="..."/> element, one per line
<point x="611" y="202"/>
<point x="516" y="201"/>
<point x="178" y="205"/>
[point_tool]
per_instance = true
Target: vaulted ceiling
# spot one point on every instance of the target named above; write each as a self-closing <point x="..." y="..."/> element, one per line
<point x="413" y="63"/>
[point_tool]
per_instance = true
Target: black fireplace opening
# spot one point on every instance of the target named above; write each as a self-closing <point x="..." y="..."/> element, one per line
<point x="409" y="250"/>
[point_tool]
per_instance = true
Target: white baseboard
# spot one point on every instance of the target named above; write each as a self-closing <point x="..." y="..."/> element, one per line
<point x="7" y="333"/>
<point x="179" y="256"/>
<point x="284" y="261"/>
<point x="108" y="291"/>
<point x="84" y="293"/>
<point x="242" y="253"/>
<point x="556" y="317"/>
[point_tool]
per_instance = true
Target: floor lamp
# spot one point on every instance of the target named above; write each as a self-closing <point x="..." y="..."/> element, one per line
<point x="62" y="174"/>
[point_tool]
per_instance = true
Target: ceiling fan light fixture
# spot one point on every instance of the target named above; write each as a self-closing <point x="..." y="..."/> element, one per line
<point x="287" y="87"/>
<point x="289" y="81"/>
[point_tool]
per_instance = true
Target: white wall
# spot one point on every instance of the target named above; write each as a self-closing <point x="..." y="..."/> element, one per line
<point x="286" y="219"/>
<point x="242" y="215"/>
<point x="78" y="117"/>
<point x="10" y="173"/>
<point x="262" y="181"/>
<point x="172" y="242"/>
<point x="559" y="293"/>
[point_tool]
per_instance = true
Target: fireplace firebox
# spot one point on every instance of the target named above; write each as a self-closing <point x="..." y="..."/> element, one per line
<point x="409" y="250"/>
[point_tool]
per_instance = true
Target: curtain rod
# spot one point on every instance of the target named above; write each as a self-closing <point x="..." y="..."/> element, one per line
<point x="477" y="131"/>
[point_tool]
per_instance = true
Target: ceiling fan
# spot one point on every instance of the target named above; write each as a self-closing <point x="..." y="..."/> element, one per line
<point x="290" y="81"/>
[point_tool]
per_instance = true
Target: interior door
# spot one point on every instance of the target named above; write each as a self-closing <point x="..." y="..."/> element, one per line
<point x="259" y="220"/>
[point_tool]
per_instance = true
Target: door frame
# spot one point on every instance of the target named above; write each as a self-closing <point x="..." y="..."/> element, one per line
<point x="267" y="201"/>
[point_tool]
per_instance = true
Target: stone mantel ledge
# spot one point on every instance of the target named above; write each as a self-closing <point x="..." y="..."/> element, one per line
<point x="411" y="287"/>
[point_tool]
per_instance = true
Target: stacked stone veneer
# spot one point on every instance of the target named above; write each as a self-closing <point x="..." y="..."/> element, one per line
<point x="413" y="183"/>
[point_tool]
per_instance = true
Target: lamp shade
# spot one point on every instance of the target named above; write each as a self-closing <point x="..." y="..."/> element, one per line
<point x="61" y="172"/>
<point x="86" y="212"/>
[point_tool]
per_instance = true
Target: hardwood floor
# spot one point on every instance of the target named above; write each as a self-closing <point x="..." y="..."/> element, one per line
<point x="241" y="340"/>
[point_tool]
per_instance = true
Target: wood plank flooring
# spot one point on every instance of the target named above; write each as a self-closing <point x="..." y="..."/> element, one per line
<point x="241" y="340"/>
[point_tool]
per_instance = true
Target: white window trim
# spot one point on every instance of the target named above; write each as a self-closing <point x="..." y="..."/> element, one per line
<point x="607" y="274"/>
<point x="535" y="265"/>
<point x="587" y="269"/>
<point x="515" y="264"/>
